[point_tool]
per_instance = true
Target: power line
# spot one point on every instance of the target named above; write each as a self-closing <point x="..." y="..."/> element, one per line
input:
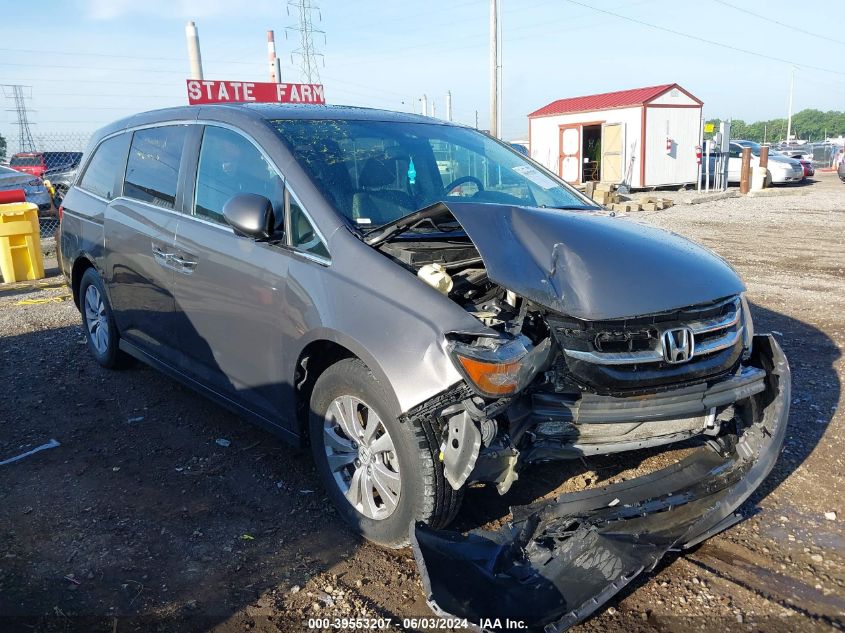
<point x="25" y="142"/>
<point x="702" y="39"/>
<point x="306" y="51"/>
<point x="784" y="24"/>
<point x="114" y="56"/>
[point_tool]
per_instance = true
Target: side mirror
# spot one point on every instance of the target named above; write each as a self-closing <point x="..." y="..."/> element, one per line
<point x="250" y="215"/>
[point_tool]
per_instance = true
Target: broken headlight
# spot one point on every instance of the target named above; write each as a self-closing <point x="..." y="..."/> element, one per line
<point x="497" y="367"/>
<point x="747" y="326"/>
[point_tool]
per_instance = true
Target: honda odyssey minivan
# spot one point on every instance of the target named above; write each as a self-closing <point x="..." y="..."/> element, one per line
<point x="425" y="308"/>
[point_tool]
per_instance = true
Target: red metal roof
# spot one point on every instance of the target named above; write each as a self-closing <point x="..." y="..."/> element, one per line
<point x="605" y="101"/>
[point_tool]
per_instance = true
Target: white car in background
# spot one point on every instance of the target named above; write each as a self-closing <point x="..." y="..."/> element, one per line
<point x="782" y="168"/>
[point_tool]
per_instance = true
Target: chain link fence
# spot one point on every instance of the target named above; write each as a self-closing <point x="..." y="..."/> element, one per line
<point x="47" y="158"/>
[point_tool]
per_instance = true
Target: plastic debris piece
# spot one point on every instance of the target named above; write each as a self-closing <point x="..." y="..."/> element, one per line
<point x="135" y="419"/>
<point x="613" y="503"/>
<point x="50" y="444"/>
<point x="830" y="516"/>
<point x="223" y="442"/>
<point x="247" y="537"/>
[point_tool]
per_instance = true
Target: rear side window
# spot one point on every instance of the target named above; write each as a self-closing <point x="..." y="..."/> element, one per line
<point x="26" y="161"/>
<point x="230" y="164"/>
<point x="100" y="175"/>
<point x="152" y="170"/>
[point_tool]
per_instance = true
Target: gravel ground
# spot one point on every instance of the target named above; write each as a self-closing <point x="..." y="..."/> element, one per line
<point x="141" y="520"/>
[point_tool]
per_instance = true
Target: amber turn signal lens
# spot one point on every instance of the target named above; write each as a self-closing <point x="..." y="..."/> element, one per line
<point x="494" y="379"/>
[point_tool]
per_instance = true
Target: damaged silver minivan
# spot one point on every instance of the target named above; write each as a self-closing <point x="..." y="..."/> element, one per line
<point x="428" y="308"/>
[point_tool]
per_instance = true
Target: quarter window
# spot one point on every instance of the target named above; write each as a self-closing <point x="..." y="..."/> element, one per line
<point x="152" y="171"/>
<point x="303" y="235"/>
<point x="100" y="175"/>
<point x="230" y="164"/>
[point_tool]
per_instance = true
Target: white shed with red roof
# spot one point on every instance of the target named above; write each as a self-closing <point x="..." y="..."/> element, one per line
<point x="645" y="137"/>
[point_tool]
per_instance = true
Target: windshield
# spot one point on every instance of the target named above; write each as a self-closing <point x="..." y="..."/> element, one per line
<point x="375" y="172"/>
<point x="25" y="161"/>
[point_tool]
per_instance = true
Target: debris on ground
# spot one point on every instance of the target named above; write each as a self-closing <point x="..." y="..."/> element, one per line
<point x="37" y="449"/>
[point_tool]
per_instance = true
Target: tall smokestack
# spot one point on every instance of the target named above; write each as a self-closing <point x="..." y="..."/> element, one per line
<point x="194" y="56"/>
<point x="271" y="55"/>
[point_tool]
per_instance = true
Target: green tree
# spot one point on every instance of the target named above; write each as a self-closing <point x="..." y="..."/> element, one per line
<point x="814" y="125"/>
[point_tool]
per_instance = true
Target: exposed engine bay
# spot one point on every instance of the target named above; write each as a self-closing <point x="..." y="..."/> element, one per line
<point x="547" y="386"/>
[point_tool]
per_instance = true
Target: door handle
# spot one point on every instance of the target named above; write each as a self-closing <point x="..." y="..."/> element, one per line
<point x="186" y="265"/>
<point x="160" y="255"/>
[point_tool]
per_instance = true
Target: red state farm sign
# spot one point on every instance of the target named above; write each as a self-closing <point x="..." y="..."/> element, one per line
<point x="202" y="91"/>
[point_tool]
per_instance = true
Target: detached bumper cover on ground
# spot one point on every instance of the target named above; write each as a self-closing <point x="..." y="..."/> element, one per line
<point x="561" y="560"/>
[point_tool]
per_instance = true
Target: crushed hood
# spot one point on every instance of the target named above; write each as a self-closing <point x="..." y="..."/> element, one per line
<point x="590" y="266"/>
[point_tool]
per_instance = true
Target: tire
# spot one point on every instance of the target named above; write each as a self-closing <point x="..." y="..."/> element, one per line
<point x="98" y="321"/>
<point x="423" y="493"/>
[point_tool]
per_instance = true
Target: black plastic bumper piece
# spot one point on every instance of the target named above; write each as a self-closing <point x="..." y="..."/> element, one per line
<point x="676" y="403"/>
<point x="559" y="561"/>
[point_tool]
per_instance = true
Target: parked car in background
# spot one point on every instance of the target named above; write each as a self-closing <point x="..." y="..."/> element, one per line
<point x="42" y="164"/>
<point x="798" y="154"/>
<point x="33" y="187"/>
<point x="809" y="170"/>
<point x="62" y="180"/>
<point x="783" y="169"/>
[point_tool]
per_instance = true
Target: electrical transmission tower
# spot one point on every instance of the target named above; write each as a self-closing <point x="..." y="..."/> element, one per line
<point x="25" y="142"/>
<point x="306" y="52"/>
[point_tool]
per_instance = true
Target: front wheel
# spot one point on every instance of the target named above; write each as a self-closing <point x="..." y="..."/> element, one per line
<point x="380" y="473"/>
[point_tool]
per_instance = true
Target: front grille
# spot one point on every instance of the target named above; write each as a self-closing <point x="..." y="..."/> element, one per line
<point x="632" y="354"/>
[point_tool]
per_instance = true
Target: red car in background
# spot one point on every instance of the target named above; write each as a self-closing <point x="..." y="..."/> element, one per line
<point x="43" y="164"/>
<point x="809" y="170"/>
<point x="30" y="163"/>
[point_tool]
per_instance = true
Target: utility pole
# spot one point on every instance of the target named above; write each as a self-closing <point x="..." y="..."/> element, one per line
<point x="424" y="102"/>
<point x="194" y="56"/>
<point x="494" y="68"/>
<point x="789" y="118"/>
<point x="307" y="52"/>
<point x="271" y="57"/>
<point x="25" y="142"/>
<point x="448" y="105"/>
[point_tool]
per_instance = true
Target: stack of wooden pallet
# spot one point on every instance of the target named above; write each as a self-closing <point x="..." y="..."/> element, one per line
<point x="606" y="195"/>
<point x="652" y="203"/>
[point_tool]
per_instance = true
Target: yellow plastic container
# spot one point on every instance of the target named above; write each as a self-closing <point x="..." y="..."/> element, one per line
<point x="20" y="242"/>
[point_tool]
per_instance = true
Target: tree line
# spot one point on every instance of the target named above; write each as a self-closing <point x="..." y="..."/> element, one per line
<point x="809" y="124"/>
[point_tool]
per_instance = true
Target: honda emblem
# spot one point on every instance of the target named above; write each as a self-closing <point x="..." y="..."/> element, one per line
<point x="678" y="345"/>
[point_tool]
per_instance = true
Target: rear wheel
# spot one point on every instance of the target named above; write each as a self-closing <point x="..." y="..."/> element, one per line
<point x="381" y="474"/>
<point x="98" y="321"/>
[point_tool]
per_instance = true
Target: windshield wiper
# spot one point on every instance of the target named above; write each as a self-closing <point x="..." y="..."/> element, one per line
<point x="387" y="231"/>
<point x="570" y="207"/>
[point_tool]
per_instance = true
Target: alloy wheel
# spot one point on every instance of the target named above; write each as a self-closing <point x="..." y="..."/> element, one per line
<point x="362" y="457"/>
<point x="96" y="319"/>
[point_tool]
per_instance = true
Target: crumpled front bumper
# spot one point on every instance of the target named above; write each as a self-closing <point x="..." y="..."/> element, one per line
<point x="559" y="561"/>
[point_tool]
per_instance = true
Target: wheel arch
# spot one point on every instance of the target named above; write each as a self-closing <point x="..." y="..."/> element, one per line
<point x="80" y="265"/>
<point x="323" y="350"/>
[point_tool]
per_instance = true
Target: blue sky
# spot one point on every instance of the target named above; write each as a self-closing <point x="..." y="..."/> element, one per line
<point x="92" y="61"/>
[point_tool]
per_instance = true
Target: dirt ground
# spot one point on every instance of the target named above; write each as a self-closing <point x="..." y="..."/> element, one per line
<point x="142" y="521"/>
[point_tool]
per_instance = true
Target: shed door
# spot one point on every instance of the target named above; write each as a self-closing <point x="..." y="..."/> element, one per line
<point x="612" y="143"/>
<point x="570" y="153"/>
